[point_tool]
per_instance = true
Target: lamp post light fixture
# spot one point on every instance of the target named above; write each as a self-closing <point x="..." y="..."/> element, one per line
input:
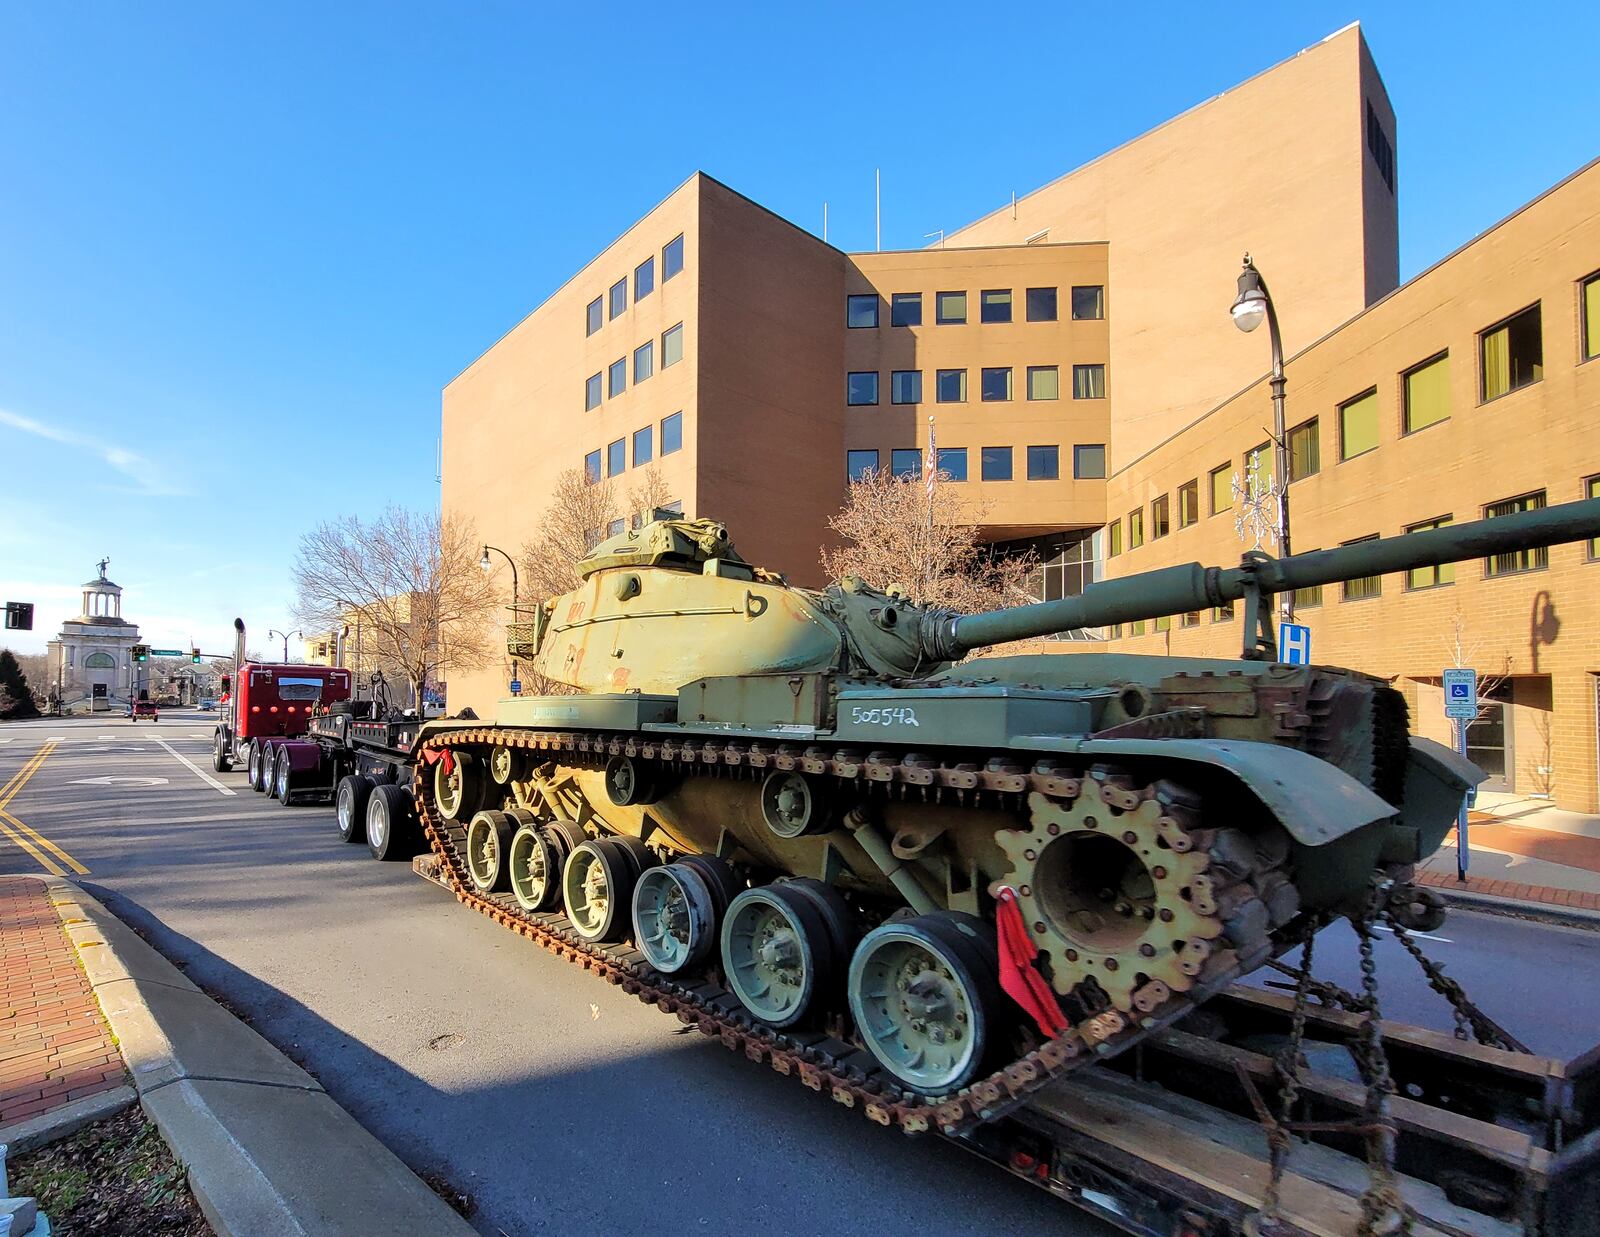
<point x="1253" y="304"/>
<point x="510" y="562"/>
<point x="272" y="631"/>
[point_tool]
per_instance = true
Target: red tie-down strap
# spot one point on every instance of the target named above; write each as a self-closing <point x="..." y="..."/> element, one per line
<point x="438" y="755"/>
<point x="1018" y="975"/>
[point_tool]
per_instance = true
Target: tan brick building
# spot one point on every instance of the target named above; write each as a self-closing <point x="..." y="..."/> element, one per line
<point x="1073" y="353"/>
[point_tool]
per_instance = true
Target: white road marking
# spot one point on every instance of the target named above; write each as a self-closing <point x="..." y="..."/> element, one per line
<point x="1421" y="936"/>
<point x="98" y="737"/>
<point x="118" y="781"/>
<point x="198" y="771"/>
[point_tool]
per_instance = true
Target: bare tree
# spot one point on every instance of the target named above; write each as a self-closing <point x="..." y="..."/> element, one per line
<point x="577" y="518"/>
<point x="414" y="582"/>
<point x="924" y="540"/>
<point x="1465" y="653"/>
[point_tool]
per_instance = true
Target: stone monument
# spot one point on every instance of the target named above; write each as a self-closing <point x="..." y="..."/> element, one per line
<point x="93" y="650"/>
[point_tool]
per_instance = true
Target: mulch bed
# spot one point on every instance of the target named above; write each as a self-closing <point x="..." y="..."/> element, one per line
<point x="115" y="1178"/>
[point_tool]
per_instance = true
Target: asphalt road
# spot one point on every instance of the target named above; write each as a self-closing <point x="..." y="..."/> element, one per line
<point x="560" y="1103"/>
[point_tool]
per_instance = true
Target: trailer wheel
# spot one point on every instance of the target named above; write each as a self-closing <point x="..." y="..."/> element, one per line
<point x="269" y="772"/>
<point x="219" y="752"/>
<point x="255" y="773"/>
<point x="350" y="805"/>
<point x="283" y="781"/>
<point x="391" y="829"/>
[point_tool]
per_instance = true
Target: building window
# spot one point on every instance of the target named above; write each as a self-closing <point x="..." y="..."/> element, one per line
<point x="1513" y="354"/>
<point x="1044" y="463"/>
<point x="1041" y="304"/>
<point x="671" y="433"/>
<point x="994" y="305"/>
<point x="1589" y="316"/>
<point x="1160" y="518"/>
<point x="594" y="316"/>
<point x="862" y="311"/>
<point x="1089" y="461"/>
<point x="672" y="258"/>
<point x="591" y="392"/>
<point x="1221" y="489"/>
<point x="1192" y="619"/>
<point x="1164" y="623"/>
<point x="1088" y="303"/>
<point x="862" y="388"/>
<point x="952" y="386"/>
<point x="905" y="462"/>
<point x="1366" y="586"/>
<point x="1222" y="613"/>
<point x="1136" y="628"/>
<point x="591" y="467"/>
<point x="1188" y="503"/>
<point x="672" y="345"/>
<point x="1426" y="391"/>
<point x="1591" y="489"/>
<point x="644" y="445"/>
<point x="953" y="463"/>
<point x="1518" y="560"/>
<point x="950" y="308"/>
<point x="996" y="464"/>
<point x="617" y="378"/>
<point x="1044" y="382"/>
<point x="859" y="463"/>
<point x="615" y="528"/>
<point x="644" y="279"/>
<point x="906" y="309"/>
<point x="1358" y="425"/>
<point x="644" y="361"/>
<point x="1430" y="577"/>
<point x="616" y="457"/>
<point x="905" y="386"/>
<point x="1260" y="462"/>
<point x="619" y="298"/>
<point x="1135" y="529"/>
<point x="1088" y="382"/>
<point x="1113" y="538"/>
<point x="1305" y="451"/>
<point x="1379" y="146"/>
<point x="996" y="384"/>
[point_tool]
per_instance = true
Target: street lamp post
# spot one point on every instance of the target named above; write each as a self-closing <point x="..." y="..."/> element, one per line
<point x="1252" y="304"/>
<point x="510" y="562"/>
<point x="272" y="631"/>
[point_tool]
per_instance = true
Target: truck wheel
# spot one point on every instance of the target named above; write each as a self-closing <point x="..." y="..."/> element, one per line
<point x="283" y="781"/>
<point x="219" y="753"/>
<point x="350" y="805"/>
<point x="255" y="756"/>
<point x="391" y="829"/>
<point x="269" y="771"/>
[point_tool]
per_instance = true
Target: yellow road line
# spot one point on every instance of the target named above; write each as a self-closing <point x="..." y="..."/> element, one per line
<point x="20" y="778"/>
<point x="45" y="861"/>
<point x="30" y="766"/>
<point x="8" y="819"/>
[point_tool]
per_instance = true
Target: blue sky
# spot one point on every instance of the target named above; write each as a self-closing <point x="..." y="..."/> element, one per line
<point x="242" y="248"/>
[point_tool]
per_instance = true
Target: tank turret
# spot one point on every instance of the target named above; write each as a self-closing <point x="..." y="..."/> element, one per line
<point x="805" y="800"/>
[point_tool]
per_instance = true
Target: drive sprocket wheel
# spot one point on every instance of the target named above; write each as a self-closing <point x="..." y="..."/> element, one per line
<point x="1128" y="899"/>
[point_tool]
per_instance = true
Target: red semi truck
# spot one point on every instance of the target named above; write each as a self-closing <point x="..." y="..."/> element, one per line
<point x="267" y="701"/>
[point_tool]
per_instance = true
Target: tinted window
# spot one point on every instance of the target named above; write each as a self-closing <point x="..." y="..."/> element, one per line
<point x="952" y="386"/>
<point x="905" y="386"/>
<point x="591" y="392"/>
<point x="1088" y="303"/>
<point x="950" y="307"/>
<point x="671" y="433"/>
<point x="862" y="311"/>
<point x="906" y="462"/>
<point x="672" y="345"/>
<point x="1513" y="354"/>
<point x="594" y="316"/>
<point x="619" y="297"/>
<point x="643" y="445"/>
<point x="644" y="361"/>
<point x="953" y="461"/>
<point x="644" y="279"/>
<point x="907" y="309"/>
<point x="1089" y="461"/>
<point x="591" y="467"/>
<point x="997" y="463"/>
<point x="1044" y="463"/>
<point x="862" y="388"/>
<point x="996" y="384"/>
<point x="995" y="305"/>
<point x="859" y="463"/>
<point x="617" y="377"/>
<point x="672" y="258"/>
<point x="1044" y="382"/>
<point x="1041" y="304"/>
<point x="1088" y="382"/>
<point x="616" y="457"/>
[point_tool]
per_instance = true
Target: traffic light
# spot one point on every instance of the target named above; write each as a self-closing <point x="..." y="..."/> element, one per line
<point x="194" y="656"/>
<point x="141" y="652"/>
<point x="19" y="615"/>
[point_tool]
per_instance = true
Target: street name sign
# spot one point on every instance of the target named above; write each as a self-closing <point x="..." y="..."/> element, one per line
<point x="167" y="653"/>
<point x="1461" y="694"/>
<point x="1294" y="644"/>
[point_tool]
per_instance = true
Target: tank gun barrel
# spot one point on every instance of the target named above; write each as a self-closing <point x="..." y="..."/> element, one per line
<point x="1189" y="586"/>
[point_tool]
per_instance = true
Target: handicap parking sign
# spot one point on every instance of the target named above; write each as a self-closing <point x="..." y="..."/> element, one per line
<point x="1461" y="694"/>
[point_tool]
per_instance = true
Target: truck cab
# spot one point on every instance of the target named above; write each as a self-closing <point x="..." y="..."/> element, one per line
<point x="265" y="701"/>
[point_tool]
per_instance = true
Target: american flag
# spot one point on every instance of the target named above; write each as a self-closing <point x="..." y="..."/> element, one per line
<point x="930" y="471"/>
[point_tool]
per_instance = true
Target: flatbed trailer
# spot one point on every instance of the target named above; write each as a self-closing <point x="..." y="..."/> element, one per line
<point x="1165" y="1141"/>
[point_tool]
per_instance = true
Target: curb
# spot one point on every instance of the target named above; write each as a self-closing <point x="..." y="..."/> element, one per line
<point x="265" y="1148"/>
<point x="1566" y="916"/>
<point x="34" y="1132"/>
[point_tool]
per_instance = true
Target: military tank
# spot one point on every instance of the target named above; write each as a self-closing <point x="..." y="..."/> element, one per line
<point x="927" y="885"/>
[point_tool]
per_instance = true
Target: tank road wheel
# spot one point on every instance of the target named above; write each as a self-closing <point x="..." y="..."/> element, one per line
<point x="390" y="831"/>
<point x="219" y="752"/>
<point x="629" y="782"/>
<point x="501" y="766"/>
<point x="460" y="792"/>
<point x="537" y="856"/>
<point x="924" y="993"/>
<point x="677" y="910"/>
<point x="488" y="843"/>
<point x="597" y="886"/>
<point x="793" y="805"/>
<point x="350" y="806"/>
<point x="779" y="952"/>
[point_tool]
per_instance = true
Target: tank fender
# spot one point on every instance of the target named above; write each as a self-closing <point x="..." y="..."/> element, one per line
<point x="1316" y="802"/>
<point x="1436" y="780"/>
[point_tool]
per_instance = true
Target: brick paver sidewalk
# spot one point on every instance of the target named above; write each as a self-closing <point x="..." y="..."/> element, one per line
<point x="54" y="1044"/>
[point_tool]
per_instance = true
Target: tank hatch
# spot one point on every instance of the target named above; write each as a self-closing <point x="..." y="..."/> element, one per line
<point x="683" y="545"/>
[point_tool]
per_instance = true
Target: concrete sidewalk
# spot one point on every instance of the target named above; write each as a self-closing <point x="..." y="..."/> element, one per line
<point x="265" y="1148"/>
<point x="1525" y="856"/>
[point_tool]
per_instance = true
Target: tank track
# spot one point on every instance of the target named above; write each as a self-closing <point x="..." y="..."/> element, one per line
<point x="851" y="1076"/>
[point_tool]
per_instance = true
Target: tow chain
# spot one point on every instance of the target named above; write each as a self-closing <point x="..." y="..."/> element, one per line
<point x="1470" y="1020"/>
<point x="847" y="1073"/>
<point x="1383" y="1211"/>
